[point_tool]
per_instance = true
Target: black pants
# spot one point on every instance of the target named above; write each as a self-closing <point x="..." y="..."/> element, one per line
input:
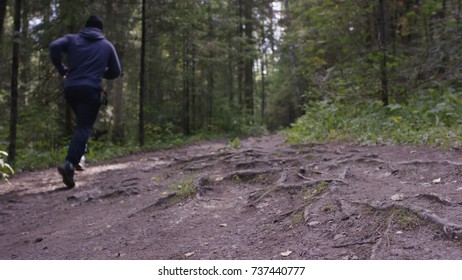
<point x="85" y="102"/>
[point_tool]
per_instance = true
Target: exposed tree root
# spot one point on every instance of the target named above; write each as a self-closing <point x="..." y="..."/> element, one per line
<point x="451" y="230"/>
<point x="308" y="182"/>
<point x="436" y="197"/>
<point x="257" y="196"/>
<point x="428" y="162"/>
<point x="250" y="164"/>
<point x="385" y="234"/>
<point x="200" y="186"/>
<point x="205" y="157"/>
<point x="362" y="242"/>
<point x="249" y="173"/>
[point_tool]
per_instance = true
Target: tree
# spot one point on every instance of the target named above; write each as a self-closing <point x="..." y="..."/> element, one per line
<point x="3" y="5"/>
<point x="142" y="73"/>
<point x="383" y="48"/>
<point x="14" y="83"/>
<point x="2" y="17"/>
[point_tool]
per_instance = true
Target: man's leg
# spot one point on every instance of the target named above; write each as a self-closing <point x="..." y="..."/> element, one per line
<point x="85" y="102"/>
<point x="87" y="111"/>
<point x="81" y="165"/>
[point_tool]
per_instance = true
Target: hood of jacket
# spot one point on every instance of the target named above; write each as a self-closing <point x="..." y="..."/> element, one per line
<point x="92" y="33"/>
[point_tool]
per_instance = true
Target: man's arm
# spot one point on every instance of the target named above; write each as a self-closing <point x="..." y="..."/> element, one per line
<point x="57" y="47"/>
<point x="113" y="68"/>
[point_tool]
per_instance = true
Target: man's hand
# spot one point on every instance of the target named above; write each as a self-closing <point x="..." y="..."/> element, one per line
<point x="64" y="72"/>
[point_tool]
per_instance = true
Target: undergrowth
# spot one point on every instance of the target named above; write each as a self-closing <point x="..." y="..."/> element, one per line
<point x="29" y="159"/>
<point x="432" y="117"/>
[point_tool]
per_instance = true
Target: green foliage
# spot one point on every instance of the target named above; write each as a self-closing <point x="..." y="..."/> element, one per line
<point x="184" y="189"/>
<point x="235" y="143"/>
<point x="432" y="117"/>
<point x="5" y="168"/>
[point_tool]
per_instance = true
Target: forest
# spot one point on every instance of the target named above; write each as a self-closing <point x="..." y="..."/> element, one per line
<point x="382" y="71"/>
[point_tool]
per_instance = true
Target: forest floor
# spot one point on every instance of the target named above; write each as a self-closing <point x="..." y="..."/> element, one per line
<point x="262" y="200"/>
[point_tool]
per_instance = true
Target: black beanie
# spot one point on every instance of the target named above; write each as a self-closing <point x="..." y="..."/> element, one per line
<point x="94" y="21"/>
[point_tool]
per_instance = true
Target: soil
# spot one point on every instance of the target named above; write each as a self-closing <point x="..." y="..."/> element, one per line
<point x="262" y="200"/>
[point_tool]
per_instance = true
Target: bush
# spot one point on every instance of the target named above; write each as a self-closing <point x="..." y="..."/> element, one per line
<point x="432" y="117"/>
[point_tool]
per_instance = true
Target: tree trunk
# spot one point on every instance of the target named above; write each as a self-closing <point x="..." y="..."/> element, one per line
<point x="186" y="85"/>
<point x="25" y="62"/>
<point x="383" y="62"/>
<point x="115" y="14"/>
<point x="248" y="62"/>
<point x="445" y="59"/>
<point x="293" y="63"/>
<point x="118" y="130"/>
<point x="142" y="74"/>
<point x="240" y="64"/>
<point x="14" y="83"/>
<point x="2" y="47"/>
<point x="230" y="68"/>
<point x="210" y="83"/>
<point x="192" y="86"/>
<point x="263" y="63"/>
<point x="2" y="17"/>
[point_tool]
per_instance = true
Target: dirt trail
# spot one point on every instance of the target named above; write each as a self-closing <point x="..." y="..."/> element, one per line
<point x="263" y="200"/>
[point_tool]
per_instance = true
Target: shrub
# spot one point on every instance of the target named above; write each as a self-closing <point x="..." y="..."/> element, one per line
<point x="5" y="168"/>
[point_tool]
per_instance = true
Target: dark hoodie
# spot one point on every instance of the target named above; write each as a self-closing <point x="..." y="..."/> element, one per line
<point x="90" y="57"/>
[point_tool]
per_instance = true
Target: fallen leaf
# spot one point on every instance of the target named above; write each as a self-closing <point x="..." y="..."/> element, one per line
<point x="189" y="254"/>
<point x="286" y="253"/>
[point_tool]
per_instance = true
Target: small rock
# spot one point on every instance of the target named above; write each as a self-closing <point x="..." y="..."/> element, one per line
<point x="286" y="253"/>
<point x="38" y="240"/>
<point x="190" y="254"/>
<point x="338" y="236"/>
<point x="397" y="197"/>
<point x="399" y="232"/>
<point x="313" y="223"/>
<point x="436" y="181"/>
